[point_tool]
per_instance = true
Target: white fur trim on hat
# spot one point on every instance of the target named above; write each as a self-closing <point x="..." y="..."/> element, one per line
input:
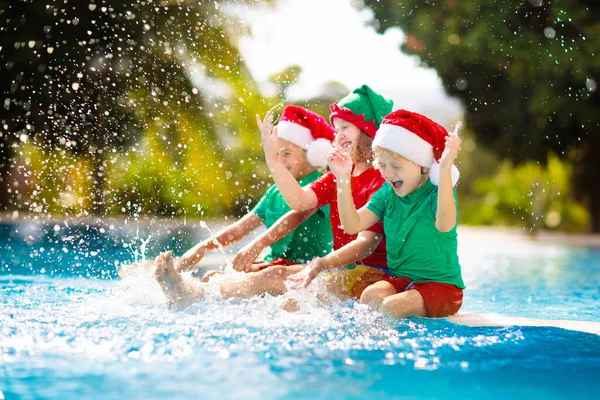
<point x="297" y="134"/>
<point x="317" y="152"/>
<point x="434" y="174"/>
<point x="406" y="143"/>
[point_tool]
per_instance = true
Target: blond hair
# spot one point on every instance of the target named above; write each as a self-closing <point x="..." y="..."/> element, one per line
<point x="380" y="150"/>
<point x="377" y="151"/>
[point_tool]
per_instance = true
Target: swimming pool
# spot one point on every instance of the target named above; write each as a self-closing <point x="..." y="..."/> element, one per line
<point x="70" y="330"/>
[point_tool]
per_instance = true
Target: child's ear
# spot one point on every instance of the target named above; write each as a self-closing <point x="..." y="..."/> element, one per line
<point x="424" y="171"/>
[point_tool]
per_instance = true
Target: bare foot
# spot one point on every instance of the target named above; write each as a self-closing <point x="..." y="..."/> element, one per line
<point x="206" y="277"/>
<point x="170" y="281"/>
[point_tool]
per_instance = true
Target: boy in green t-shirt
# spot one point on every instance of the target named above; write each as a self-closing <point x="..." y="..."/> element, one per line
<point x="301" y="150"/>
<point x="418" y="209"/>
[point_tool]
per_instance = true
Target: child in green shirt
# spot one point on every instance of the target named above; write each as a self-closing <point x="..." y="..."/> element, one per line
<point x="417" y="207"/>
<point x="301" y="130"/>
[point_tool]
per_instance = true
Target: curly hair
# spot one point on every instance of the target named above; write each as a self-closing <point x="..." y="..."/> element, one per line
<point x="362" y="149"/>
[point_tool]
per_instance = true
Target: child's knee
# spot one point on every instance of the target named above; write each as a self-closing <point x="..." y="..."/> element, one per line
<point x="407" y="304"/>
<point x="375" y="294"/>
<point x="389" y="305"/>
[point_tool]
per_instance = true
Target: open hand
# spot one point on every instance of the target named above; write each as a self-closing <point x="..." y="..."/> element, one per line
<point x="245" y="257"/>
<point x="340" y="163"/>
<point x="450" y="151"/>
<point x="303" y="278"/>
<point x="268" y="136"/>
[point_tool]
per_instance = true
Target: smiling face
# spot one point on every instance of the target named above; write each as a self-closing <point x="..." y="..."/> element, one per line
<point x="348" y="136"/>
<point x="345" y="133"/>
<point x="294" y="159"/>
<point x="402" y="174"/>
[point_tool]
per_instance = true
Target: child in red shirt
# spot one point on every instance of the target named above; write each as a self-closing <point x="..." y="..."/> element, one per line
<point x="355" y="119"/>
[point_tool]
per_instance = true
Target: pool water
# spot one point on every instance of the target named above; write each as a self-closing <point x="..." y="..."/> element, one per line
<point x="69" y="329"/>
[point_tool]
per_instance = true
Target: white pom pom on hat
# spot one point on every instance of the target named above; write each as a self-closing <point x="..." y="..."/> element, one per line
<point x="434" y="174"/>
<point x="308" y="130"/>
<point x="416" y="138"/>
<point x="317" y="152"/>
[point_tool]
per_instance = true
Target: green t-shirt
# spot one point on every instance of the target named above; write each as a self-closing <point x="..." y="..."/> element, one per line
<point x="313" y="238"/>
<point x="415" y="248"/>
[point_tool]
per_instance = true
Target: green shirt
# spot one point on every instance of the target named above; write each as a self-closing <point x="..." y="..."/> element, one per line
<point x="313" y="238"/>
<point x="415" y="248"/>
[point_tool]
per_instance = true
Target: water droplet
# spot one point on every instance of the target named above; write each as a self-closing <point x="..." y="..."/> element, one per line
<point x="549" y="32"/>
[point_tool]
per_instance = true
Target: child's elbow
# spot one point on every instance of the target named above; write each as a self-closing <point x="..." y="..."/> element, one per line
<point x="298" y="206"/>
<point x="350" y="230"/>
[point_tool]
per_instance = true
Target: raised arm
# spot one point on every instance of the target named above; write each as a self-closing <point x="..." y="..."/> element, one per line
<point x="445" y="218"/>
<point x="284" y="225"/>
<point x="353" y="221"/>
<point x="228" y="236"/>
<point x="297" y="197"/>
<point x="361" y="247"/>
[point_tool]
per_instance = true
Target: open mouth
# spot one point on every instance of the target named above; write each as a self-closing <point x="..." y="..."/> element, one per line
<point x="397" y="184"/>
<point x="346" y="145"/>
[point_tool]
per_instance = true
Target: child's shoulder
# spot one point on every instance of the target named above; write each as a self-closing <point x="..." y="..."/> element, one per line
<point x="383" y="191"/>
<point x="271" y="190"/>
<point x="326" y="176"/>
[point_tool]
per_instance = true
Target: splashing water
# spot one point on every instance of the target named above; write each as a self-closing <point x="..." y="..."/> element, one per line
<point x="457" y="128"/>
<point x="138" y="252"/>
<point x="65" y="337"/>
<point x="227" y="266"/>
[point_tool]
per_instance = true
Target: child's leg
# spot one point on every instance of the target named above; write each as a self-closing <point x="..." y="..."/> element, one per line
<point x="405" y="304"/>
<point x="255" y="267"/>
<point x="177" y="290"/>
<point x="209" y="274"/>
<point x="376" y="293"/>
<point x="270" y="280"/>
<point x="383" y="295"/>
<point x="172" y="284"/>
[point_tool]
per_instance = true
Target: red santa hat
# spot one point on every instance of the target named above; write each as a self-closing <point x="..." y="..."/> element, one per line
<point x="416" y="138"/>
<point x="308" y="130"/>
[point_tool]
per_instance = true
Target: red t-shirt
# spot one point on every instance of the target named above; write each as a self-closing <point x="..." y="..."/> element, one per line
<point x="363" y="186"/>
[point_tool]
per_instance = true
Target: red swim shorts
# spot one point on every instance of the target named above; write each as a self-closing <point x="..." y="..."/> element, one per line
<point x="441" y="299"/>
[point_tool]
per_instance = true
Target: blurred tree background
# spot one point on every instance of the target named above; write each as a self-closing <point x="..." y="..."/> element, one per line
<point x="119" y="106"/>
<point x="527" y="73"/>
<point x="113" y="107"/>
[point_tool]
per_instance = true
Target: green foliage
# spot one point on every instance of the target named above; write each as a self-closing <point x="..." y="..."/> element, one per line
<point x="51" y="181"/>
<point x="529" y="195"/>
<point x="95" y="78"/>
<point x="526" y="71"/>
